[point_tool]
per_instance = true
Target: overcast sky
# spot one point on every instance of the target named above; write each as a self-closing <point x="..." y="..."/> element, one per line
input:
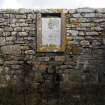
<point x="51" y="4"/>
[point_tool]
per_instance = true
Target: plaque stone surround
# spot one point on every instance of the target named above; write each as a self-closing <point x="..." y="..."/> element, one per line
<point x="50" y="32"/>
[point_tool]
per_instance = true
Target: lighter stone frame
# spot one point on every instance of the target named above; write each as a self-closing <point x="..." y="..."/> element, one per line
<point x="39" y="35"/>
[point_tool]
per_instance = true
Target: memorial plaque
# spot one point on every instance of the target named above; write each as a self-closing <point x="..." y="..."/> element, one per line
<point x="50" y="33"/>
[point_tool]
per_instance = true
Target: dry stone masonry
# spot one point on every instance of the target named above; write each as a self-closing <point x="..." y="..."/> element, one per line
<point x="81" y="66"/>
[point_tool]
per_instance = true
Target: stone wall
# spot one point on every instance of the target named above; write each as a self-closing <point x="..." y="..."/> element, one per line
<point x="80" y="66"/>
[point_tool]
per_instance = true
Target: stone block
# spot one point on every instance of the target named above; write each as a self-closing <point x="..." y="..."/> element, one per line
<point x="100" y="15"/>
<point x="99" y="20"/>
<point x="1" y="15"/>
<point x="43" y="67"/>
<point x="22" y="24"/>
<point x="29" y="21"/>
<point x="81" y="33"/>
<point x="13" y="33"/>
<point x="11" y="49"/>
<point x="13" y="20"/>
<point x="1" y="61"/>
<point x="7" y="77"/>
<point x="11" y="38"/>
<point x="85" y="24"/>
<point x="12" y="16"/>
<point x="73" y="32"/>
<point x="82" y="20"/>
<point x="2" y="20"/>
<point x="77" y="15"/>
<point x="6" y="34"/>
<point x="1" y="29"/>
<point x="24" y="47"/>
<point x="75" y="49"/>
<point x="22" y="34"/>
<point x="8" y="29"/>
<point x="21" y="16"/>
<point x="72" y="76"/>
<point x="31" y="16"/>
<point x="89" y="77"/>
<point x="43" y="59"/>
<point x="72" y="11"/>
<point x="6" y="15"/>
<point x="2" y="41"/>
<point x="38" y="77"/>
<point x="21" y="11"/>
<point x="22" y="20"/>
<point x="100" y="10"/>
<point x="84" y="43"/>
<point x="26" y="29"/>
<point x="92" y="33"/>
<point x="98" y="28"/>
<point x="89" y="15"/>
<point x="86" y="10"/>
<point x="103" y="40"/>
<point x="1" y="69"/>
<point x="60" y="58"/>
<point x="95" y="43"/>
<point x="13" y="25"/>
<point x="81" y="28"/>
<point x="30" y="52"/>
<point x="18" y="29"/>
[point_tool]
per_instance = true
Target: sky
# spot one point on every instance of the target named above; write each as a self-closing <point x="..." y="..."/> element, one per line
<point x="43" y="4"/>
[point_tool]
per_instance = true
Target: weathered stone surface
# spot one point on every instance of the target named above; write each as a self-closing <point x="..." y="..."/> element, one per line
<point x="1" y="61"/>
<point x="89" y="15"/>
<point x="8" y="29"/>
<point x="77" y="15"/>
<point x="42" y="59"/>
<point x="24" y="46"/>
<point x="92" y="33"/>
<point x="73" y="32"/>
<point x="11" y="49"/>
<point x="103" y="41"/>
<point x="100" y="10"/>
<point x="31" y="16"/>
<point x="22" y="24"/>
<point x="6" y="15"/>
<point x="98" y="28"/>
<point x="83" y="61"/>
<point x="21" y="20"/>
<point x="21" y="16"/>
<point x="17" y="29"/>
<point x="81" y="33"/>
<point x="100" y="15"/>
<point x="11" y="38"/>
<point x="30" y="52"/>
<point x="1" y="29"/>
<point x="26" y="29"/>
<point x="60" y="58"/>
<point x="84" y="43"/>
<point x="85" y="24"/>
<point x="86" y="10"/>
<point x="23" y="34"/>
<point x="95" y="43"/>
<point x="2" y="41"/>
<point x="99" y="20"/>
<point x="13" y="33"/>
<point x="72" y="11"/>
<point x="1" y="69"/>
<point x="6" y="33"/>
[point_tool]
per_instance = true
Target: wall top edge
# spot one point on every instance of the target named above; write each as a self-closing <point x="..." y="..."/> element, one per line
<point x="23" y="10"/>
